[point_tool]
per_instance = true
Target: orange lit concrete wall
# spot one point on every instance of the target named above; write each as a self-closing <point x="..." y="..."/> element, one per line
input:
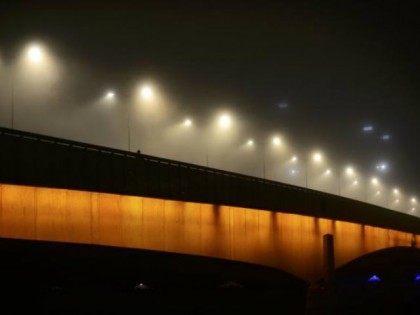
<point x="287" y="241"/>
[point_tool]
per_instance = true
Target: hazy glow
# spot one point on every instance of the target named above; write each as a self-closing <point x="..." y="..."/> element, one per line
<point x="250" y="143"/>
<point x="294" y="159"/>
<point x="187" y="122"/>
<point x="397" y="200"/>
<point x="34" y="54"/>
<point x="386" y="137"/>
<point x="413" y="200"/>
<point x="276" y="141"/>
<point x="396" y="191"/>
<point x="374" y="181"/>
<point x="378" y="192"/>
<point x="368" y="128"/>
<point x="349" y="171"/>
<point x="328" y="172"/>
<point x="225" y="121"/>
<point x="383" y="167"/>
<point x="355" y="182"/>
<point x="293" y="172"/>
<point x="317" y="157"/>
<point x="146" y="93"/>
<point x="110" y="95"/>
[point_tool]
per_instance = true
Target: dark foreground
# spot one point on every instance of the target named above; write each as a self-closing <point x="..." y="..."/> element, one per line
<point x="56" y="278"/>
<point x="61" y="278"/>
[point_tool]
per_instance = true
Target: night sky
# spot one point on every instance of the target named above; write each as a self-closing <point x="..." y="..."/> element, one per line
<point x="337" y="65"/>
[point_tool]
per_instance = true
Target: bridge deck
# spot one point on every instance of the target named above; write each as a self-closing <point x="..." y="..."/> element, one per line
<point x="32" y="159"/>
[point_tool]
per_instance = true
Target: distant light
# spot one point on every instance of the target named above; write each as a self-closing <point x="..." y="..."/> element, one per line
<point x="141" y="286"/>
<point x="294" y="172"/>
<point x="35" y="54"/>
<point x="385" y="137"/>
<point x="397" y="200"/>
<point x="417" y="277"/>
<point x="413" y="209"/>
<point x="187" y="123"/>
<point x="225" y="121"/>
<point x="283" y="105"/>
<point x="383" y="167"/>
<point x="374" y="181"/>
<point x="110" y="95"/>
<point x="276" y="141"/>
<point x="396" y="191"/>
<point x="250" y="143"/>
<point x="294" y="158"/>
<point x="328" y="172"/>
<point x="317" y="157"/>
<point x="413" y="200"/>
<point x="146" y="93"/>
<point x="367" y="128"/>
<point x="374" y="278"/>
<point x="355" y="182"/>
<point x="378" y="193"/>
<point x="349" y="171"/>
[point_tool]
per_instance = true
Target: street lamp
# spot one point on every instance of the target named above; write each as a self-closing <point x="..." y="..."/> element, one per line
<point x="187" y="123"/>
<point x="146" y="92"/>
<point x="34" y="55"/>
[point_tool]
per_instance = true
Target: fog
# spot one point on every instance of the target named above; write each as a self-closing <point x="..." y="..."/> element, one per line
<point x="66" y="98"/>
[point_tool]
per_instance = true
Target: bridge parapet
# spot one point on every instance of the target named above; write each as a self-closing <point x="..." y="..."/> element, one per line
<point x="32" y="159"/>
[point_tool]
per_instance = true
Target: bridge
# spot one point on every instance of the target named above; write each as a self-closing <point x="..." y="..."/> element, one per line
<point x="65" y="191"/>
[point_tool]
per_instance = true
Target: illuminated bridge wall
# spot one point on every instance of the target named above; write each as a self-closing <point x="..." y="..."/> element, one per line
<point x="290" y="242"/>
<point x="99" y="195"/>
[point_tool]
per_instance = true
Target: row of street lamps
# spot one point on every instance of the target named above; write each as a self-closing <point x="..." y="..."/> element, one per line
<point x="347" y="179"/>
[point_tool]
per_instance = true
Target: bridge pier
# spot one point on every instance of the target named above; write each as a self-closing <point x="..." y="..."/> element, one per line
<point x="328" y="258"/>
<point x="321" y="293"/>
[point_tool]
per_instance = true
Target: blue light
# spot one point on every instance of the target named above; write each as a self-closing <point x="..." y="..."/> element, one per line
<point x="368" y="128"/>
<point x="374" y="278"/>
<point x="417" y="277"/>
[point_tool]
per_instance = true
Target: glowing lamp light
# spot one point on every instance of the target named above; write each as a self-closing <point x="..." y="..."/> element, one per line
<point x="413" y="209"/>
<point x="396" y="191"/>
<point x="397" y="200"/>
<point x="378" y="193"/>
<point x="294" y="159"/>
<point x="413" y="200"/>
<point x="317" y="157"/>
<point x="293" y="172"/>
<point x="250" y="143"/>
<point x="328" y="172"/>
<point x="374" y="181"/>
<point x="146" y="93"/>
<point x="35" y="54"/>
<point x="187" y="123"/>
<point x="110" y="95"/>
<point x="225" y="121"/>
<point x="374" y="279"/>
<point x="382" y="167"/>
<point x="276" y="141"/>
<point x="355" y="183"/>
<point x="349" y="171"/>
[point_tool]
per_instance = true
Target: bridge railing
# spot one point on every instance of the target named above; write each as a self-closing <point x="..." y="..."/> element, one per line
<point x="32" y="159"/>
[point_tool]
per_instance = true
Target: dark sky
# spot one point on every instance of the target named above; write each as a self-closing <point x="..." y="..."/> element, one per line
<point x="337" y="64"/>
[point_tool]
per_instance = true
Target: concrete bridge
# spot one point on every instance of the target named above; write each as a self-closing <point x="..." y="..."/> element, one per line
<point x="59" y="190"/>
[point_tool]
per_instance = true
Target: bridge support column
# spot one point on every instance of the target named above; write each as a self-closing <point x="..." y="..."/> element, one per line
<point x="329" y="259"/>
<point x="321" y="294"/>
